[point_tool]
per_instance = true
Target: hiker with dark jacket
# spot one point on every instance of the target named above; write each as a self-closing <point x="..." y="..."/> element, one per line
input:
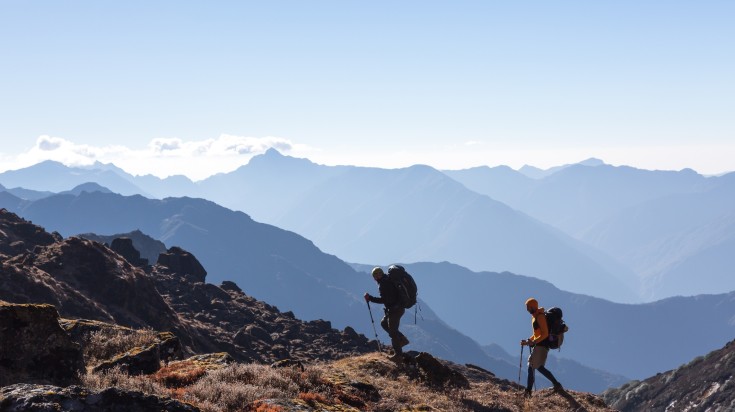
<point x="393" y="310"/>
<point x="538" y="342"/>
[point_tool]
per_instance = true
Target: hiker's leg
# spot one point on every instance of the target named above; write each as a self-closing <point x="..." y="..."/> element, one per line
<point x="531" y="379"/>
<point x="547" y="373"/>
<point x="384" y="323"/>
<point x="538" y="355"/>
<point x="394" y="321"/>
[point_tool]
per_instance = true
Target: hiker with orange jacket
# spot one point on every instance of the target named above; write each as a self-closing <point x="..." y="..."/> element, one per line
<point x="393" y="311"/>
<point x="538" y="342"/>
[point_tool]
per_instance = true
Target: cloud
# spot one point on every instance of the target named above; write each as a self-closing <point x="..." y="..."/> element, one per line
<point x="48" y="143"/>
<point x="162" y="157"/>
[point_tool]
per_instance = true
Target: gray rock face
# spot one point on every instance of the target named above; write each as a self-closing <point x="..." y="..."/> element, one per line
<point x="19" y="236"/>
<point x="124" y="247"/>
<point x="704" y="384"/>
<point x="45" y="398"/>
<point x="182" y="262"/>
<point x="34" y="346"/>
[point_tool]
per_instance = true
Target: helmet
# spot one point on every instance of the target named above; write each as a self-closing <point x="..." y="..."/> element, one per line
<point x="377" y="272"/>
<point x="532" y="303"/>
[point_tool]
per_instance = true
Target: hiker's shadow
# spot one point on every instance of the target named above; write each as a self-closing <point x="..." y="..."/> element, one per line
<point x="573" y="404"/>
<point x="476" y="406"/>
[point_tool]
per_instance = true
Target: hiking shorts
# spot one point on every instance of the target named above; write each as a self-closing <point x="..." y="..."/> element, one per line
<point x="538" y="356"/>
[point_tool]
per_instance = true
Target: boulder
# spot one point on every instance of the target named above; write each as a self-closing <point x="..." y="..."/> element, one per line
<point x="183" y="263"/>
<point x="34" y="346"/>
<point x="123" y="246"/>
<point x="438" y="374"/>
<point x="46" y="398"/>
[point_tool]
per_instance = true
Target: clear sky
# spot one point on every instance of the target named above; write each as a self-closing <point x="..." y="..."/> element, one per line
<point x="198" y="87"/>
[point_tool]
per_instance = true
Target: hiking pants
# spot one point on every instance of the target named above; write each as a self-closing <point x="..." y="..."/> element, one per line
<point x="391" y="321"/>
<point x="537" y="360"/>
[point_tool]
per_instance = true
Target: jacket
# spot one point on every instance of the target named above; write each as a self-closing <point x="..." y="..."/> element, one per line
<point x="388" y="294"/>
<point x="540" y="328"/>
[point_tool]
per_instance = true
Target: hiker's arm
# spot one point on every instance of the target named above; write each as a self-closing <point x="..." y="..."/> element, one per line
<point x="375" y="299"/>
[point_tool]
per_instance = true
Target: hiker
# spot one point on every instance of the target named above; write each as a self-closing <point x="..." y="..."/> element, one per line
<point x="393" y="311"/>
<point x="538" y="343"/>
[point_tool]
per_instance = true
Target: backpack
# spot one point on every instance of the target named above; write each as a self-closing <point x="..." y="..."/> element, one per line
<point x="557" y="327"/>
<point x="405" y="284"/>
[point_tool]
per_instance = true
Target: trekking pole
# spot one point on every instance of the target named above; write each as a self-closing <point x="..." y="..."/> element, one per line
<point x="520" y="362"/>
<point x="373" y="322"/>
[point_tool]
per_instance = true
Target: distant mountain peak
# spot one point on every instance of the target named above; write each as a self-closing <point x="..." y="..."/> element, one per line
<point x="273" y="152"/>
<point x="272" y="157"/>
<point x="89" y="187"/>
<point x="537" y="173"/>
<point x="592" y="161"/>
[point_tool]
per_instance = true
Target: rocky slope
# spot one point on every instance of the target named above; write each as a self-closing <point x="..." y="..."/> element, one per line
<point x="86" y="279"/>
<point x="133" y="380"/>
<point x="141" y="337"/>
<point x="705" y="384"/>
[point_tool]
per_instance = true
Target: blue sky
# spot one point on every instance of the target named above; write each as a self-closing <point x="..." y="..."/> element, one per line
<point x="199" y="87"/>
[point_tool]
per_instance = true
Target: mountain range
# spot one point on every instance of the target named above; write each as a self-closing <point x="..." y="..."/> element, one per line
<point x="411" y="214"/>
<point x="88" y="279"/>
<point x="619" y="233"/>
<point x="672" y="229"/>
<point x="288" y="271"/>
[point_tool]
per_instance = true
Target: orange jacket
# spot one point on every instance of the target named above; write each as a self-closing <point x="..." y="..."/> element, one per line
<point x="540" y="328"/>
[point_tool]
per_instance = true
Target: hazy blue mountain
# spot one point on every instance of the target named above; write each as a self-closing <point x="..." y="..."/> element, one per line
<point x="53" y="177"/>
<point x="268" y="263"/>
<point x="172" y="186"/>
<point x="500" y="183"/>
<point x="56" y="177"/>
<point x="415" y="214"/>
<point x="365" y="214"/>
<point x="630" y="340"/>
<point x="10" y="201"/>
<point x="26" y="193"/>
<point x="680" y="244"/>
<point x="86" y="187"/>
<point x="578" y="197"/>
<point x="269" y="186"/>
<point x="537" y="173"/>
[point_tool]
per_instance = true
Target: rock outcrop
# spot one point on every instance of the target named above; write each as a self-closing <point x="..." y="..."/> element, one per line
<point x="20" y="236"/>
<point x="34" y="346"/>
<point x="182" y="263"/>
<point x="226" y="319"/>
<point x="705" y="384"/>
<point x="45" y="398"/>
<point x="124" y="247"/>
<point x="86" y="279"/>
<point x="148" y="248"/>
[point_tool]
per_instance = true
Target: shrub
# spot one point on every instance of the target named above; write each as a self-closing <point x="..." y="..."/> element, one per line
<point x="106" y="343"/>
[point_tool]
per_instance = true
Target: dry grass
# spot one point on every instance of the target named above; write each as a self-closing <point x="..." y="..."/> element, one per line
<point x="364" y="383"/>
<point x="106" y="343"/>
<point x="116" y="377"/>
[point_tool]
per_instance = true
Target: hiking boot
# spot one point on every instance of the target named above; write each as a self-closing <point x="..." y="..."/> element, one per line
<point x="404" y="341"/>
<point x="558" y="387"/>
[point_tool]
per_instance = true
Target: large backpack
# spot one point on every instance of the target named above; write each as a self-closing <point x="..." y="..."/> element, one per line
<point x="405" y="284"/>
<point x="557" y="327"/>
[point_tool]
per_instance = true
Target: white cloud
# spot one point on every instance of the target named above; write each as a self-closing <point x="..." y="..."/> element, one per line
<point x="162" y="157"/>
<point x="199" y="159"/>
